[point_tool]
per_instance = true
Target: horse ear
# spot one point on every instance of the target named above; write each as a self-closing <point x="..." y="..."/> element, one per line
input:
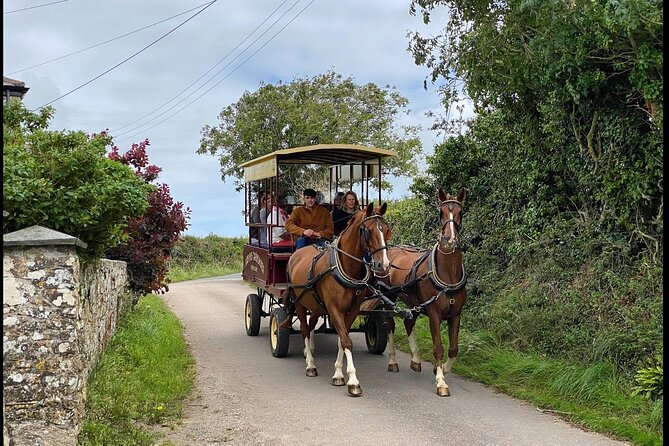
<point x="441" y="195"/>
<point x="462" y="194"/>
<point x="370" y="209"/>
<point x="382" y="209"/>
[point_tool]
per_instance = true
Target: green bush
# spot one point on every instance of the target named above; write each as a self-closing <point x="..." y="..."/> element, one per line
<point x="223" y="252"/>
<point x="63" y="180"/>
<point x="650" y="381"/>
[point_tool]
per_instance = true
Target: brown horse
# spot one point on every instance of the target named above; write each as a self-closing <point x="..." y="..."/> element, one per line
<point x="433" y="283"/>
<point x="334" y="282"/>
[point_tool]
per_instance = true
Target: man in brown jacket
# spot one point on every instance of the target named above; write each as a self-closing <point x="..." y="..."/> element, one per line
<point x="310" y="223"/>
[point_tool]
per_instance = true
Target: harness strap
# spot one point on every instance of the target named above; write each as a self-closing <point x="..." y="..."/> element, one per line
<point x="335" y="268"/>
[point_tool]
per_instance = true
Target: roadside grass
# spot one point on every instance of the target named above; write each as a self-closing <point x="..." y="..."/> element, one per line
<point x="199" y="271"/>
<point x="590" y="396"/>
<point x="142" y="378"/>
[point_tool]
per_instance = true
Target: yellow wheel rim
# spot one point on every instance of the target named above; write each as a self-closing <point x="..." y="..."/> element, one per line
<point x="273" y="333"/>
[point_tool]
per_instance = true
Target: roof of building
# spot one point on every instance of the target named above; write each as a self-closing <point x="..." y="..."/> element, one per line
<point x="14" y="85"/>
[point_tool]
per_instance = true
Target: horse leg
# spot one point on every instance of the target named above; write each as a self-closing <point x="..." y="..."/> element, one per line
<point x="345" y="345"/>
<point x="392" y="362"/>
<point x="413" y="344"/>
<point x="453" y="332"/>
<point x="435" y="331"/>
<point x="338" y="377"/>
<point x="304" y="331"/>
<point x="313" y="320"/>
<point x="353" y="383"/>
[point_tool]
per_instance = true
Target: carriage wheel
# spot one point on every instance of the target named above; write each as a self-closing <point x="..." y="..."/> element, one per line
<point x="278" y="337"/>
<point x="376" y="335"/>
<point x="252" y="314"/>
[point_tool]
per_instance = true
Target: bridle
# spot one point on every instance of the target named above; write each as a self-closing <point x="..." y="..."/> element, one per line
<point x="455" y="236"/>
<point x="366" y="236"/>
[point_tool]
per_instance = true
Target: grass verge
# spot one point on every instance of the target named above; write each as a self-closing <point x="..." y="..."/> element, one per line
<point x="199" y="271"/>
<point x="141" y="378"/>
<point x="590" y="396"/>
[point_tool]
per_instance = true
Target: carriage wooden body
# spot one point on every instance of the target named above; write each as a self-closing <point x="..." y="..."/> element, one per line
<point x="351" y="167"/>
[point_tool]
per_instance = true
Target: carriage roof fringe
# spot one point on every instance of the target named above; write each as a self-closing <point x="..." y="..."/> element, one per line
<point x="332" y="154"/>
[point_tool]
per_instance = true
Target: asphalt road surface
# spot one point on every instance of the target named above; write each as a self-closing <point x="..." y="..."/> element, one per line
<point x="245" y="396"/>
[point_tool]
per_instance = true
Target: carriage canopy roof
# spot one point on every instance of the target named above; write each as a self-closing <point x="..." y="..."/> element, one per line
<point x="332" y="154"/>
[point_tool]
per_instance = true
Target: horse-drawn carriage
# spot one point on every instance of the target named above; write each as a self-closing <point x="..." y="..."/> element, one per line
<point x="265" y="264"/>
<point x="351" y="280"/>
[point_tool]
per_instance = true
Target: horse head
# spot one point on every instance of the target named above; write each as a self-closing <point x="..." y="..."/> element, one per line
<point x="450" y="217"/>
<point x="374" y="233"/>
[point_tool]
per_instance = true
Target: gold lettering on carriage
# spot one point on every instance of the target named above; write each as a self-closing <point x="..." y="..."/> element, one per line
<point x="254" y="257"/>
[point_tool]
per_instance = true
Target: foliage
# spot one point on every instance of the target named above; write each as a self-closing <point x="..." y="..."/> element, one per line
<point x="195" y="257"/>
<point x="650" y="380"/>
<point x="320" y="110"/>
<point x="225" y="251"/>
<point x="62" y="180"/>
<point x="563" y="163"/>
<point x="406" y="228"/>
<point x="144" y="375"/>
<point x="151" y="236"/>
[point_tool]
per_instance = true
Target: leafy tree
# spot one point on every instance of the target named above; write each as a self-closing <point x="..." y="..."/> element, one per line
<point x="324" y="109"/>
<point x="62" y="180"/>
<point x="150" y="237"/>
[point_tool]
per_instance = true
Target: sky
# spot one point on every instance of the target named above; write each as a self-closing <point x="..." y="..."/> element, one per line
<point x="180" y="83"/>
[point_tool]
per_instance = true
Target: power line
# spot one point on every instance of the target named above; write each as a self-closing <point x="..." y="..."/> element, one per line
<point x="228" y="75"/>
<point x="107" y="41"/>
<point x="208" y="71"/>
<point x="33" y="7"/>
<point x="127" y="59"/>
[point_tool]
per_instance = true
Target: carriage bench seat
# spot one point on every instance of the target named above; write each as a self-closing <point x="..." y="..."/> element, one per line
<point x="282" y="247"/>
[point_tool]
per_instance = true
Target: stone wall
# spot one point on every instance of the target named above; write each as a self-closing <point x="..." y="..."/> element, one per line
<point x="57" y="318"/>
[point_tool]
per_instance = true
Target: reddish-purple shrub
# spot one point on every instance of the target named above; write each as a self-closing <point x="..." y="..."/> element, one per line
<point x="151" y="236"/>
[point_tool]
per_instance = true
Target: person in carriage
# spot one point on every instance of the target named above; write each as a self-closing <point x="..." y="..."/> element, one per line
<point x="254" y="232"/>
<point x="310" y="223"/>
<point x="343" y="213"/>
<point x="275" y="216"/>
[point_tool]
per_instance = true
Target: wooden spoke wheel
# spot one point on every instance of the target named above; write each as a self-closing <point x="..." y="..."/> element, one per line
<point x="278" y="337"/>
<point x="376" y="336"/>
<point x="252" y="312"/>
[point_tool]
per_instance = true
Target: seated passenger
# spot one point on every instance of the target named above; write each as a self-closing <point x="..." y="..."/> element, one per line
<point x="276" y="218"/>
<point x="254" y="232"/>
<point x="341" y="215"/>
<point x="310" y="223"/>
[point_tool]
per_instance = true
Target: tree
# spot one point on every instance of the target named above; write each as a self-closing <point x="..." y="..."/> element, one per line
<point x="321" y="110"/>
<point x="150" y="237"/>
<point x="62" y="180"/>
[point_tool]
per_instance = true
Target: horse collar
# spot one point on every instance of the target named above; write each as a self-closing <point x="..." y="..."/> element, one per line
<point x="339" y="274"/>
<point x="434" y="276"/>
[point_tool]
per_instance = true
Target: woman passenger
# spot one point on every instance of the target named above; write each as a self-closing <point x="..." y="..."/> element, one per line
<point x="341" y="216"/>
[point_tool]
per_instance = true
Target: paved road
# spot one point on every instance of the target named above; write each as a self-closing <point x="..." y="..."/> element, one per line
<point x="245" y="396"/>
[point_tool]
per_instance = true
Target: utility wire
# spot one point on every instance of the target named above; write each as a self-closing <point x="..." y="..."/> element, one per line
<point x="33" y="7"/>
<point x="228" y="75"/>
<point x="198" y="79"/>
<point x="107" y="41"/>
<point x="127" y="59"/>
<point x="212" y="77"/>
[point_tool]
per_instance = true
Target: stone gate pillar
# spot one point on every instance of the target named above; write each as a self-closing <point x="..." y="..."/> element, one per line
<point x="44" y="371"/>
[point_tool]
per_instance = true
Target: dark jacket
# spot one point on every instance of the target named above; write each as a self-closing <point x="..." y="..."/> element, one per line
<point x="340" y="218"/>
